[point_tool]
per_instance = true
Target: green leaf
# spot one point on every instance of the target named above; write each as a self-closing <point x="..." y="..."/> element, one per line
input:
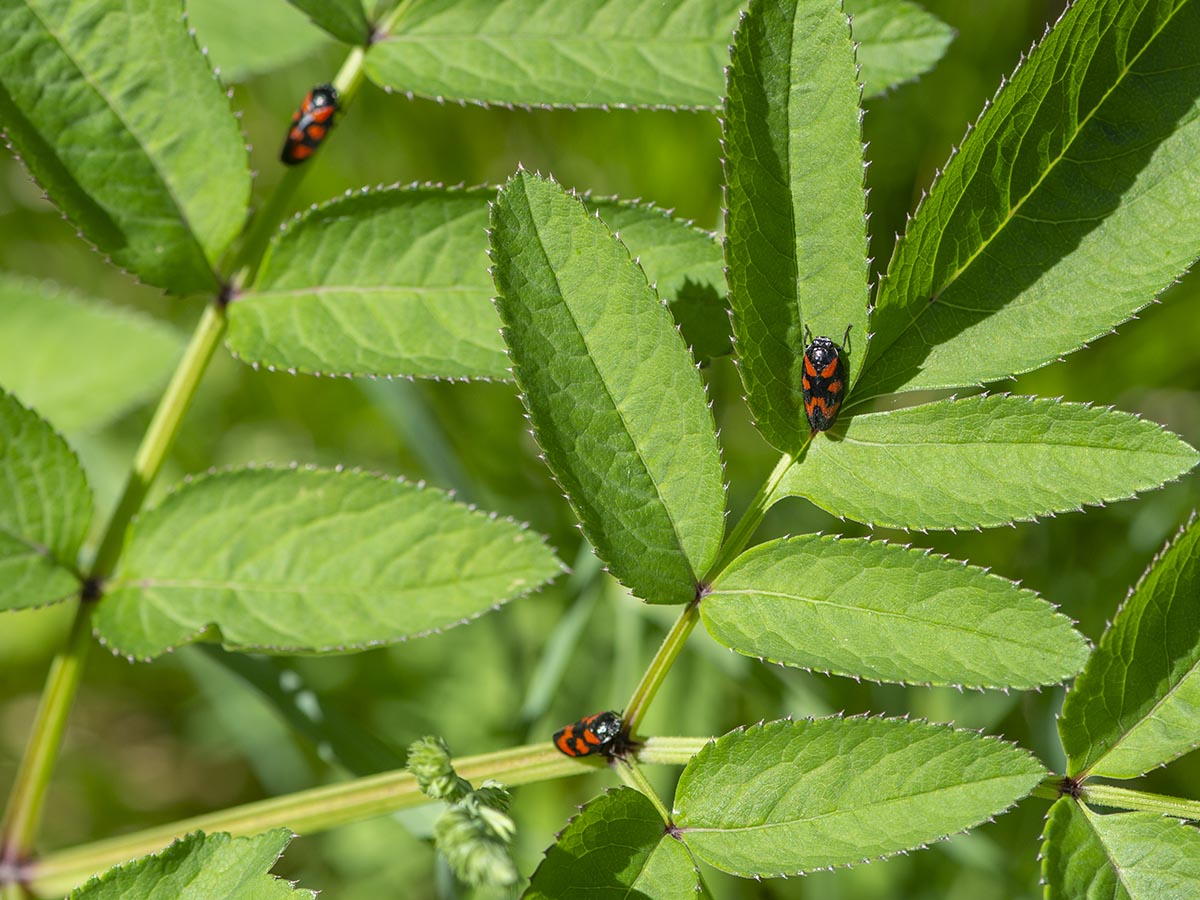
<point x="616" y="847"/>
<point x="789" y="797"/>
<point x="684" y="264"/>
<point x="56" y="353"/>
<point x="614" y="397"/>
<point x="670" y="53"/>
<point x="45" y="507"/>
<point x="311" y="561"/>
<point x="1074" y="862"/>
<point x="1068" y="208"/>
<point x="201" y="867"/>
<point x="244" y="39"/>
<point x="1136" y="705"/>
<point x="344" y="19"/>
<point x="388" y="282"/>
<point x="984" y="461"/>
<point x="1122" y="856"/>
<point x="873" y="610"/>
<point x="796" y="242"/>
<point x="115" y="112"/>
<point x="898" y="41"/>
<point x="395" y="282"/>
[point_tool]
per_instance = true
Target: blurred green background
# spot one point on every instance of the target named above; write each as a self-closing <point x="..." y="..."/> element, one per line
<point x="152" y="743"/>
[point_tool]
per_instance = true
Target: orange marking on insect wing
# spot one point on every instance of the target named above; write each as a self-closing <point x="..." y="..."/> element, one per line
<point x="828" y="371"/>
<point x="834" y="387"/>
<point x="581" y="747"/>
<point x="301" y="151"/>
<point x="316" y="132"/>
<point x="322" y="114"/>
<point x="591" y="738"/>
<point x="809" y="369"/>
<point x="295" y="134"/>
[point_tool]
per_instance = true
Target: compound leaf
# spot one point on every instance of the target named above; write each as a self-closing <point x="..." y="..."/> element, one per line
<point x="1136" y="705"/>
<point x="56" y="353"/>
<point x="874" y="610"/>
<point x="614" y="397"/>
<point x="117" y="115"/>
<point x="790" y="797"/>
<point x="984" y="461"/>
<point x="616" y="846"/>
<point x="670" y="53"/>
<point x="796" y="241"/>
<point x="395" y="282"/>
<point x="201" y="867"/>
<point x="45" y="507"/>
<point x="1067" y="209"/>
<point x="311" y="561"/>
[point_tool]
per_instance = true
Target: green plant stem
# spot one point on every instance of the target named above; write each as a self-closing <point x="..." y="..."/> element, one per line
<point x="62" y="682"/>
<point x="643" y="694"/>
<point x="631" y="773"/>
<point x="24" y="810"/>
<point x="671" y="751"/>
<point x="253" y="245"/>
<point x="159" y="437"/>
<point x="305" y="812"/>
<point x="751" y="518"/>
<point x="1123" y="798"/>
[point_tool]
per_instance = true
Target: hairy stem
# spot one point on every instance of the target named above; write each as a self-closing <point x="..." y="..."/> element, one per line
<point x="631" y="773"/>
<point x="1123" y="798"/>
<point x="656" y="673"/>
<point x="318" y="809"/>
<point x="62" y="682"/>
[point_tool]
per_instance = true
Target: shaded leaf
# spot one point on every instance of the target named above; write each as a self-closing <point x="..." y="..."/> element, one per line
<point x="1122" y="856"/>
<point x="395" y="282"/>
<point x="897" y="41"/>
<point x="102" y="102"/>
<point x="344" y="19"/>
<point x="616" y="847"/>
<point x="1067" y="209"/>
<point x="56" y="353"/>
<point x="614" y="397"/>
<point x="559" y="52"/>
<point x="1136" y="705"/>
<point x="984" y="461"/>
<point x="789" y="797"/>
<point x="311" y="561"/>
<point x="796" y="240"/>
<point x="201" y="867"/>
<point x="244" y="39"/>
<point x="45" y="507"/>
<point x="874" y="610"/>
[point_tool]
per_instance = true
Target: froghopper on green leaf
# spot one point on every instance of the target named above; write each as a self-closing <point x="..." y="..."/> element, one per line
<point x="1067" y="209"/>
<point x="45" y="508"/>
<point x="1136" y="705"/>
<point x="322" y="561"/>
<point x="795" y="222"/>
<point x="118" y="86"/>
<point x="614" y="396"/>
